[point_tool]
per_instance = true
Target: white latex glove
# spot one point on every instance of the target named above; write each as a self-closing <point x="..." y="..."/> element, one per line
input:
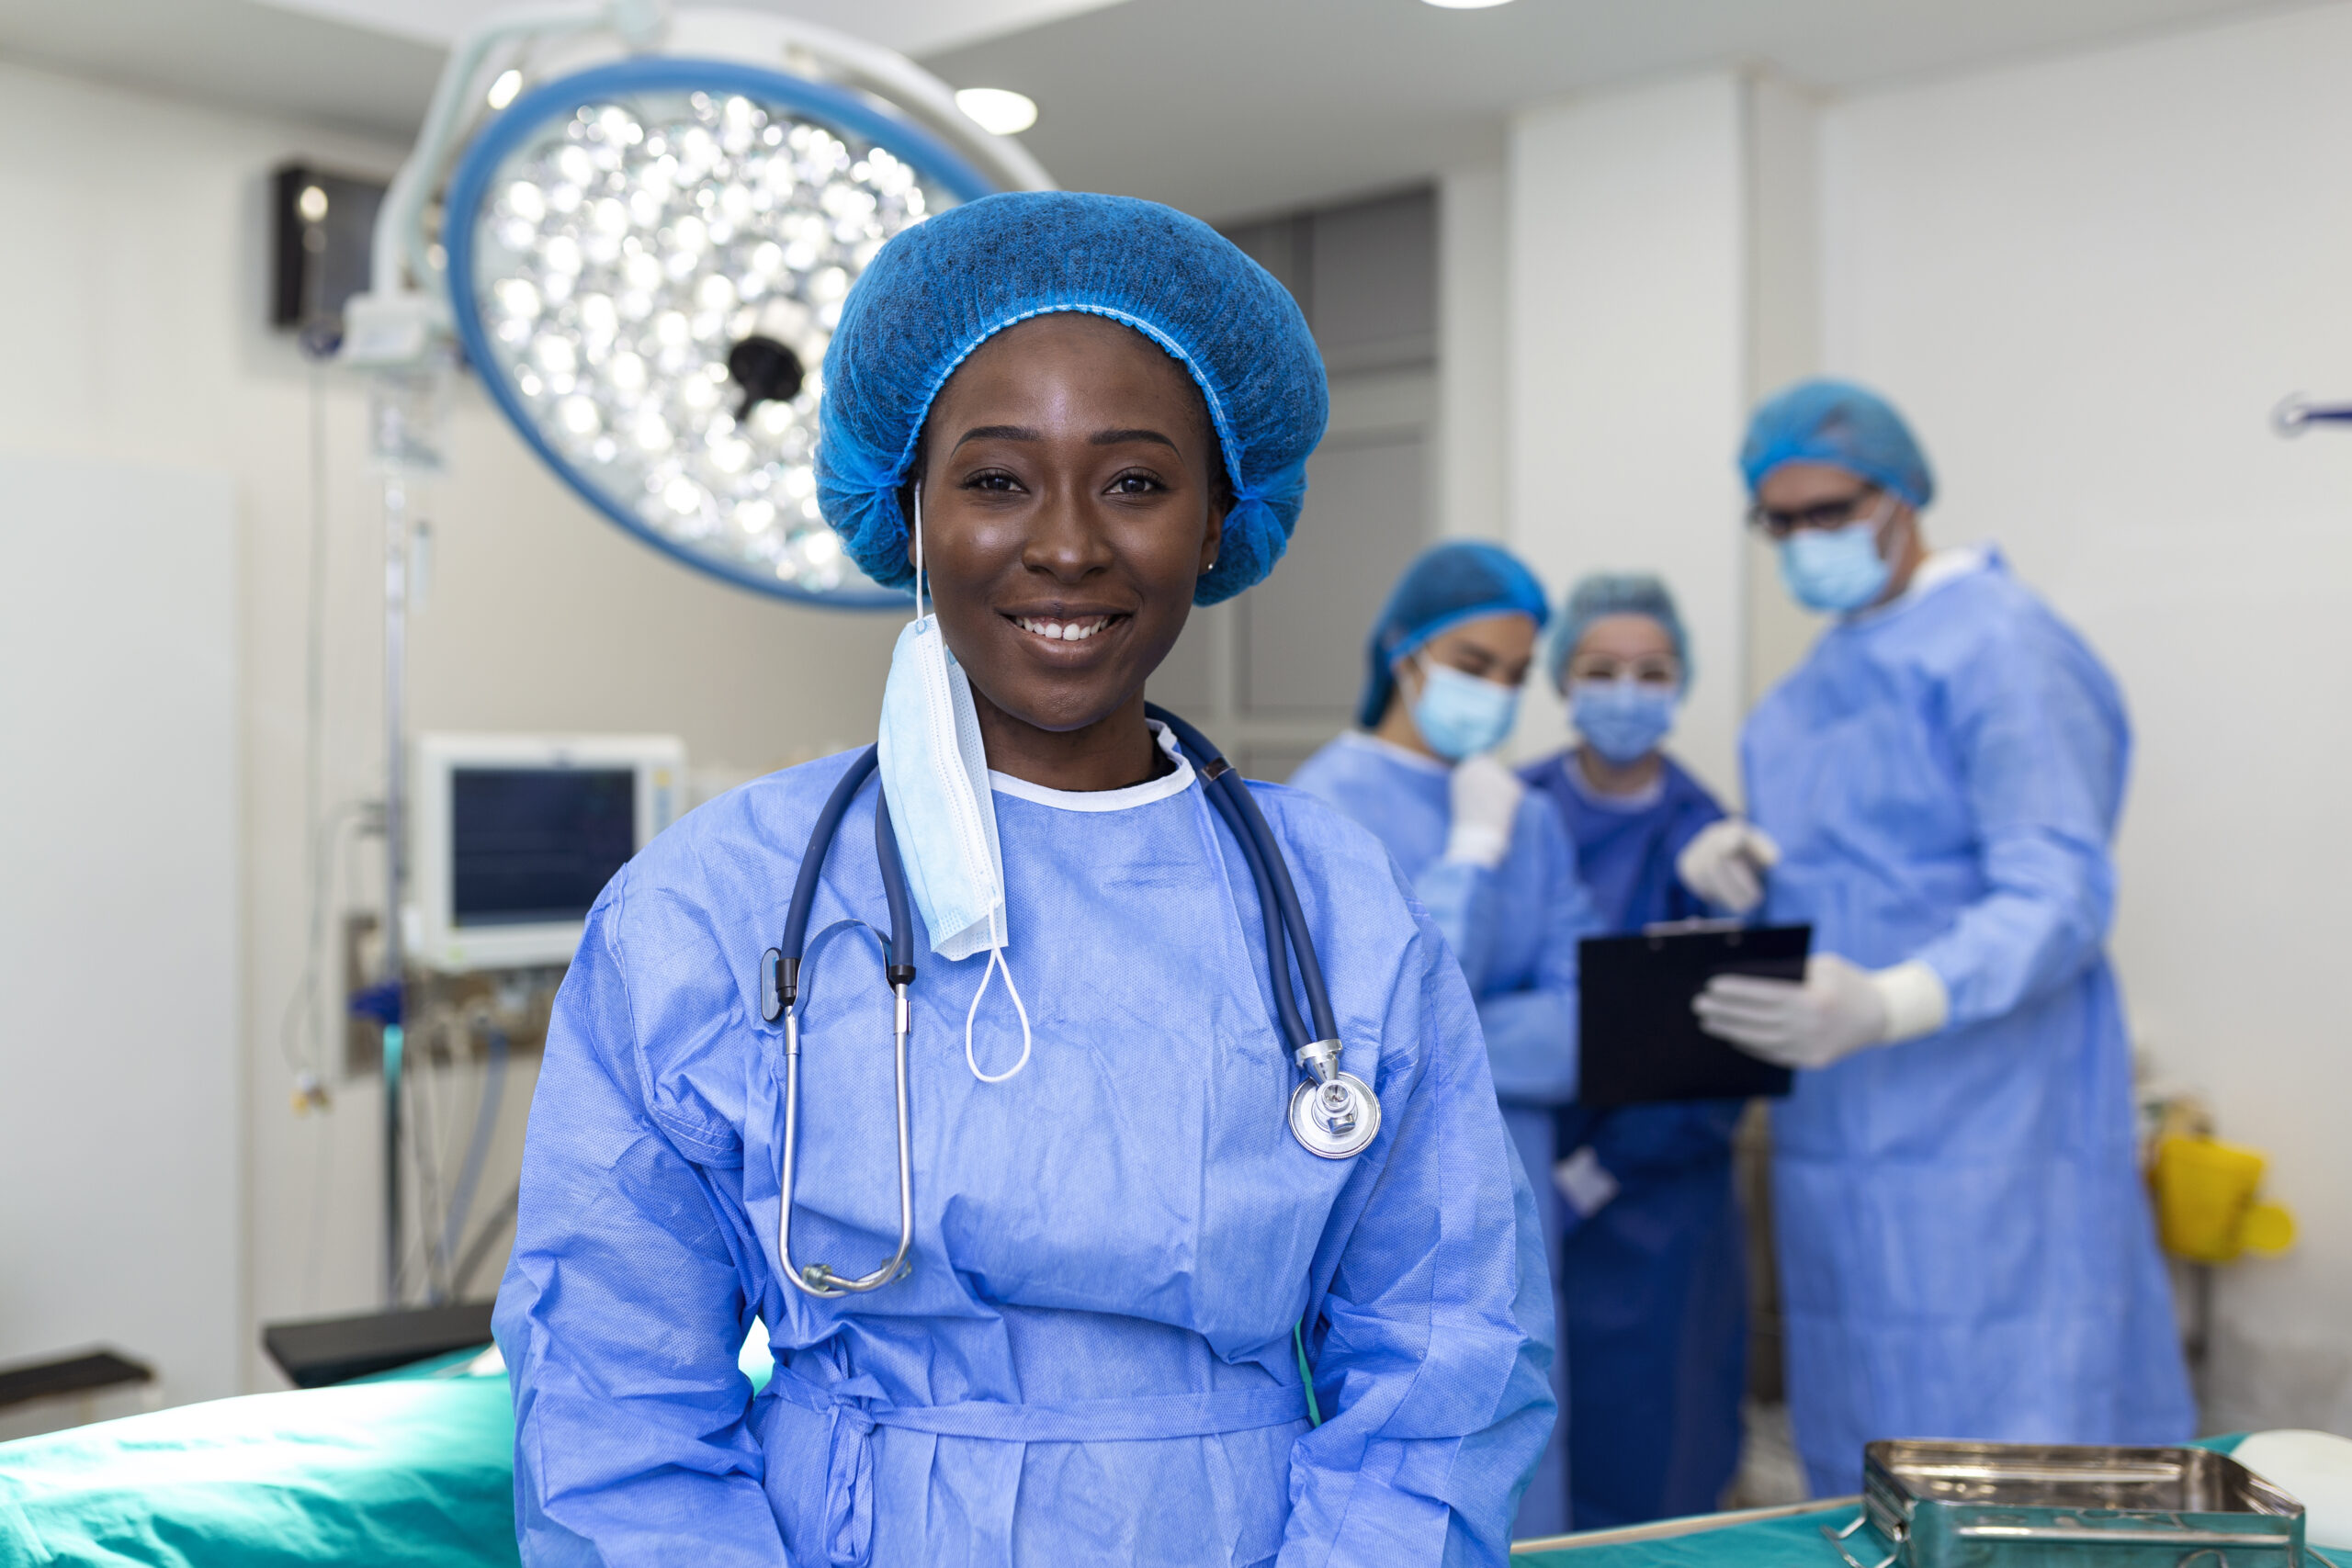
<point x="1841" y="1009"/>
<point x="1725" y="864"/>
<point x="1485" y="797"/>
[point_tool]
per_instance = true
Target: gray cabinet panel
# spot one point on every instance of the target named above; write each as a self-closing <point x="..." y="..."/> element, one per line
<point x="1304" y="627"/>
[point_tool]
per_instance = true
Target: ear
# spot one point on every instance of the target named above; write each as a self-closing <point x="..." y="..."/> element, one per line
<point x="1211" y="537"/>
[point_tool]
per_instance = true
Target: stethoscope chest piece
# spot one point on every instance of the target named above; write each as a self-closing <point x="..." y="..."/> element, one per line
<point x="1334" y="1115"/>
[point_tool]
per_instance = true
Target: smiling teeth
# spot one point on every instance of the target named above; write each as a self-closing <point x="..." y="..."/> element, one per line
<point x="1065" y="631"/>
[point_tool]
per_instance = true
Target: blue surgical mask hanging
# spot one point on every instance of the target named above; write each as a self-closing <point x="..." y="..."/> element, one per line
<point x="1623" y="721"/>
<point x="1837" y="569"/>
<point x="1461" y="715"/>
<point x="935" y="771"/>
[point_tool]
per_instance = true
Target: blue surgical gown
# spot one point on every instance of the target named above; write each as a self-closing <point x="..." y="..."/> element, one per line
<point x="1515" y="929"/>
<point x="1092" y="1360"/>
<point x="1654" y="1284"/>
<point x="1965" y="1247"/>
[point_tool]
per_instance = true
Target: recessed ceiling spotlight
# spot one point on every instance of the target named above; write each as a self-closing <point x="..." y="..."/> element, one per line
<point x="1001" y="112"/>
<point x="1465" y="4"/>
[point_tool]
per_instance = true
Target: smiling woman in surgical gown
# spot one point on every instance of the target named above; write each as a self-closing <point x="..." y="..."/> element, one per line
<point x="1108" y="410"/>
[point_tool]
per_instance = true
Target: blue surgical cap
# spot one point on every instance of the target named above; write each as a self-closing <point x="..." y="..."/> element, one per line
<point x="1837" y="422"/>
<point x="1603" y="593"/>
<point x="1448" y="585"/>
<point x="939" y="289"/>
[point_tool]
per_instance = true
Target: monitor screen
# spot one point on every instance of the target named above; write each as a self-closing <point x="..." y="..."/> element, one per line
<point x="531" y="846"/>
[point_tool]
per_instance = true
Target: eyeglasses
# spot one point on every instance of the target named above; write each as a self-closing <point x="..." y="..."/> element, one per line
<point x="1835" y="514"/>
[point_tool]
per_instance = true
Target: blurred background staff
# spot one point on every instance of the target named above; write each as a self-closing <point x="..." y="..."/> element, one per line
<point x="1493" y="866"/>
<point x="1653" y="1287"/>
<point x="1965" y="1248"/>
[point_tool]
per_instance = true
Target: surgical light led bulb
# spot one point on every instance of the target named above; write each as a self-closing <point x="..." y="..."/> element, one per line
<point x="648" y="261"/>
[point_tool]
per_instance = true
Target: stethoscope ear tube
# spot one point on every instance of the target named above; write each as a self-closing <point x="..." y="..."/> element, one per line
<point x="1276" y="892"/>
<point x="780" y="966"/>
<point x="900" y="970"/>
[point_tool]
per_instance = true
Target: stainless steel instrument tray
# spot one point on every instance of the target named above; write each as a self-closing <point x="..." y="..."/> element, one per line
<point x="1953" y="1505"/>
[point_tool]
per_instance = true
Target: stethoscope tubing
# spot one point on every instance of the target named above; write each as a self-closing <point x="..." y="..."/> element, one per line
<point x="1280" y="912"/>
<point x="1271" y="868"/>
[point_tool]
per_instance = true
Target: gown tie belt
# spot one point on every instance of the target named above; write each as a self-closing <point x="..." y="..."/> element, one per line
<point x="849" y="1468"/>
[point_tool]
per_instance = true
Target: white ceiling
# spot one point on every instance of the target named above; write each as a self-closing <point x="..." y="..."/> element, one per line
<point x="1222" y="107"/>
<point x="1231" y="106"/>
<point x="911" y="26"/>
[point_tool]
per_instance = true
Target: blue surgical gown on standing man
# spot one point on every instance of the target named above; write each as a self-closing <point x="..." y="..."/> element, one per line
<point x="1965" y="1247"/>
<point x="1092" y="1358"/>
<point x="1515" y="930"/>
<point x="1653" y="1316"/>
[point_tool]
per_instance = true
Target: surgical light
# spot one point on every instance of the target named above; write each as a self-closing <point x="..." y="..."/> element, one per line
<point x="998" y="110"/>
<point x="502" y="92"/>
<point x="648" y="261"/>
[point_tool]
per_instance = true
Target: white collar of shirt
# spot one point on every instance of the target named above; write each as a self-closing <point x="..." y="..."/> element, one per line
<point x="1641" y="800"/>
<point x="1133" y="796"/>
<point x="1394" y="752"/>
<point x="1940" y="568"/>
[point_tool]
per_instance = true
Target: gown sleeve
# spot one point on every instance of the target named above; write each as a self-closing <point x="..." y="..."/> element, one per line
<point x="1460" y="896"/>
<point x="622" y="1313"/>
<point x="1532" y="1031"/>
<point x="1433" y="1366"/>
<point x="2040" y="752"/>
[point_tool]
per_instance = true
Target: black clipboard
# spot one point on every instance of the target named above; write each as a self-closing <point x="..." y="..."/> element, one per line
<point x="1642" y="1043"/>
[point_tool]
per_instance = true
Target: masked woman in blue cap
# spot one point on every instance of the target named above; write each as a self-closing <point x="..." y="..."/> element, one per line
<point x="1140" y="1320"/>
<point x="1653" y="1319"/>
<point x="1445" y="664"/>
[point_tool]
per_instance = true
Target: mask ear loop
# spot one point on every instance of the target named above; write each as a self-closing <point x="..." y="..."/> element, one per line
<point x="996" y="965"/>
<point x="919" y="574"/>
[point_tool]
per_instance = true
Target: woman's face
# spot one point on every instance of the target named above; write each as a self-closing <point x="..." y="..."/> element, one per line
<point x="1068" y="509"/>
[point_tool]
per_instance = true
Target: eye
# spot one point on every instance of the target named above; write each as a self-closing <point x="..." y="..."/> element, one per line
<point x="995" y="479"/>
<point x="1133" y="482"/>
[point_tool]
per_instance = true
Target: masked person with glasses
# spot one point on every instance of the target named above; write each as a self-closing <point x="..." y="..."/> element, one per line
<point x="1445" y="661"/>
<point x="1653" y="1295"/>
<point x="1143" y="1322"/>
<point x="1965" y="1247"/>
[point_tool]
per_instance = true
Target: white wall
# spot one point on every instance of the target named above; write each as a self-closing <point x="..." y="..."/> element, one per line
<point x="2089" y="280"/>
<point x="120" y="1083"/>
<point x="136" y="271"/>
<point x="1472" y="369"/>
<point x="1627" y="367"/>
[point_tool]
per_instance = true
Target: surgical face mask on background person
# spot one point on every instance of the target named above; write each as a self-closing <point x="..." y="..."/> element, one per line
<point x="1461" y="715"/>
<point x="1624" y="719"/>
<point x="1833" y="551"/>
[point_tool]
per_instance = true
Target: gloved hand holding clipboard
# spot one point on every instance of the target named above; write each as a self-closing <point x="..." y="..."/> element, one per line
<point x="1641" y="1043"/>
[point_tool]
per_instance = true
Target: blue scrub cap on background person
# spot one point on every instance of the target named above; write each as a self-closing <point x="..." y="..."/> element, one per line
<point x="1602" y="593"/>
<point x="939" y="289"/>
<point x="1839" y="423"/>
<point x="1446" y="586"/>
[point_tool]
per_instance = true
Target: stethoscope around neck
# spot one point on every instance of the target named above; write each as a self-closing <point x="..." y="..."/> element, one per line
<point x="1333" y="1114"/>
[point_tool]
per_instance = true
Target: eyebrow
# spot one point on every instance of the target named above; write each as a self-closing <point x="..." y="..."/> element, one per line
<point x="1000" y="433"/>
<point x="1121" y="437"/>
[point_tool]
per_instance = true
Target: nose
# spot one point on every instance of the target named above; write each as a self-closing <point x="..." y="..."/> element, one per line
<point x="1066" y="540"/>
